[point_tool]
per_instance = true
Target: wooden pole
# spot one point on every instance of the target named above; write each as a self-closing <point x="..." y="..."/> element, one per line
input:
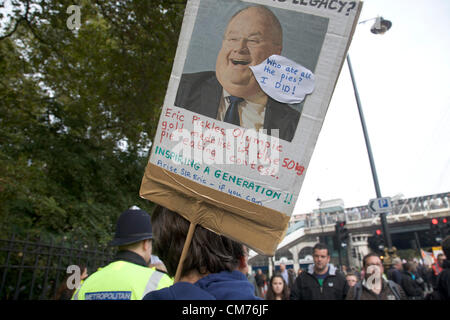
<point x="187" y="244"/>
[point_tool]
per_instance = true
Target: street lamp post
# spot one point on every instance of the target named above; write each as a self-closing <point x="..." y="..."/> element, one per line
<point x="380" y="27"/>
<point x="320" y="213"/>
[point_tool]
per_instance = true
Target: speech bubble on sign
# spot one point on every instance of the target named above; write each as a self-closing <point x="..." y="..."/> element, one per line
<point x="284" y="80"/>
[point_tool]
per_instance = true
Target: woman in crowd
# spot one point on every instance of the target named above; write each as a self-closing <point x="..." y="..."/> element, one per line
<point x="277" y="290"/>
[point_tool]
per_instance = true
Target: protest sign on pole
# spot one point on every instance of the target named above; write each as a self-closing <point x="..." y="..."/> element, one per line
<point x="437" y="251"/>
<point x="248" y="93"/>
<point x="427" y="257"/>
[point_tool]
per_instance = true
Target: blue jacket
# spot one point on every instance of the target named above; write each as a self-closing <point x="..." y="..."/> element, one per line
<point x="217" y="286"/>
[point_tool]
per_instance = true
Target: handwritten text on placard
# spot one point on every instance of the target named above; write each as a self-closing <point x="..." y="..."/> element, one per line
<point x="284" y="80"/>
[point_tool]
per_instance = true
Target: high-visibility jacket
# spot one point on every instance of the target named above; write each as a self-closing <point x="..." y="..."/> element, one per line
<point x="122" y="280"/>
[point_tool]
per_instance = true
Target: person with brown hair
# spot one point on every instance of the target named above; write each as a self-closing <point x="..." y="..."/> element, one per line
<point x="352" y="279"/>
<point x="278" y="289"/>
<point x="374" y="286"/>
<point x="211" y="270"/>
<point x="322" y="281"/>
<point x="63" y="292"/>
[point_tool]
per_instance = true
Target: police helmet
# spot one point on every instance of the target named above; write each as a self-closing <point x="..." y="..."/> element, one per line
<point x="132" y="226"/>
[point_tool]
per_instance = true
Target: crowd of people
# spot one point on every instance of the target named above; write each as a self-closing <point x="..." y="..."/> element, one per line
<point x="404" y="280"/>
<point x="216" y="268"/>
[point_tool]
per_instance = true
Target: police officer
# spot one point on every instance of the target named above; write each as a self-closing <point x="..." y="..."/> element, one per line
<point x="128" y="277"/>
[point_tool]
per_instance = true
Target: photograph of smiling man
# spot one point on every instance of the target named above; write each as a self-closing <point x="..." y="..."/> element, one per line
<point x="231" y="93"/>
<point x="249" y="89"/>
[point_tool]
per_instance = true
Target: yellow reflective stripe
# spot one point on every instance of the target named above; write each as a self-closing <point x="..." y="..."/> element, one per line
<point x="124" y="276"/>
<point x="75" y="296"/>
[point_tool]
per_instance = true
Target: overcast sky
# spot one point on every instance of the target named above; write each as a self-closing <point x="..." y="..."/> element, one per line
<point x="403" y="78"/>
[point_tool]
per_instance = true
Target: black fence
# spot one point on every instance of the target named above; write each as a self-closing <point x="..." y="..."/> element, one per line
<point x="34" y="269"/>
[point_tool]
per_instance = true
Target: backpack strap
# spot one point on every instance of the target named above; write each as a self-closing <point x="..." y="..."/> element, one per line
<point x="393" y="286"/>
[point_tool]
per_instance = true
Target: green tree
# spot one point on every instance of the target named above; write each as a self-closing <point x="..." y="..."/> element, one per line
<point x="78" y="110"/>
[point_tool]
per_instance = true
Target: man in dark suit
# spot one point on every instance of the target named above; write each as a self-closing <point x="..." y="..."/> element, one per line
<point x="231" y="93"/>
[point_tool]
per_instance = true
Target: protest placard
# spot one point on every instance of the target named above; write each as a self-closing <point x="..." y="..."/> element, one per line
<point x="248" y="93"/>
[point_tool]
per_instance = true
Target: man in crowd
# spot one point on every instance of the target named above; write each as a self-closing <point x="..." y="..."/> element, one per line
<point x="437" y="268"/>
<point x="410" y="283"/>
<point x="443" y="281"/>
<point x="322" y="281"/>
<point x="374" y="286"/>
<point x="426" y="273"/>
<point x="259" y="282"/>
<point x="128" y="277"/>
<point x="284" y="273"/>
<point x="395" y="272"/>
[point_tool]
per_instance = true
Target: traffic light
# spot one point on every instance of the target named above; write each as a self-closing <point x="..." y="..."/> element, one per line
<point x="435" y="234"/>
<point x="439" y="229"/>
<point x="341" y="233"/>
<point x="445" y="227"/>
<point x="376" y="242"/>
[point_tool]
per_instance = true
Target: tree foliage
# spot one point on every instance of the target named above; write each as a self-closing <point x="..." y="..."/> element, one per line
<point x="78" y="109"/>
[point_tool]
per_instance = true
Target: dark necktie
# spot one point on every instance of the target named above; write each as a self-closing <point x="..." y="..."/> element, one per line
<point x="232" y="114"/>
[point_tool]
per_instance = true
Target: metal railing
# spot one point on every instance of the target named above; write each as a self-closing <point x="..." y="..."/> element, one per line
<point x="35" y="269"/>
<point x="402" y="206"/>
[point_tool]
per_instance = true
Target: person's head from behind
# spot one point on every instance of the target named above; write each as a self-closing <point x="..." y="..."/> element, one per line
<point x="277" y="288"/>
<point x="351" y="279"/>
<point x="208" y="251"/>
<point x="142" y="248"/>
<point x="134" y="233"/>
<point x="409" y="267"/>
<point x="446" y="247"/>
<point x="252" y="35"/>
<point x="397" y="263"/>
<point x="321" y="258"/>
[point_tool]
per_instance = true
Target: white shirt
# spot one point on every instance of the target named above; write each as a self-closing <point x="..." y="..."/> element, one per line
<point x="251" y="114"/>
